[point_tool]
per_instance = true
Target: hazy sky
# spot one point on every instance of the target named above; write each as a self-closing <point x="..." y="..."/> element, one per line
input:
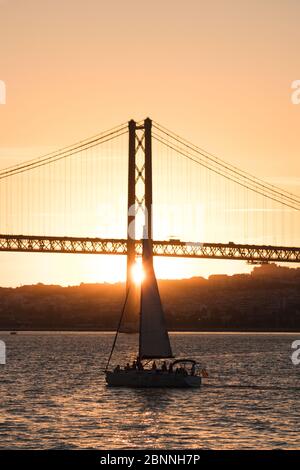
<point x="218" y="73"/>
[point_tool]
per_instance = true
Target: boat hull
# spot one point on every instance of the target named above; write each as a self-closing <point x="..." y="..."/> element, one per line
<point x="151" y="379"/>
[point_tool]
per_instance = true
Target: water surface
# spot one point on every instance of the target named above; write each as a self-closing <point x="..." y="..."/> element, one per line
<point x="53" y="395"/>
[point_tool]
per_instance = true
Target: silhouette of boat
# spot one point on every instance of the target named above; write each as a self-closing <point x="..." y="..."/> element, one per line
<point x="154" y="342"/>
<point x="13" y="333"/>
<point x="148" y="378"/>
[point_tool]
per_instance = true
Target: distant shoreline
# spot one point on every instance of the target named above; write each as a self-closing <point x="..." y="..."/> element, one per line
<point x="267" y="300"/>
<point x="222" y="331"/>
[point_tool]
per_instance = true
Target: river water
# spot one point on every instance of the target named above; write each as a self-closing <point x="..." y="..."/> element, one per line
<point x="53" y="395"/>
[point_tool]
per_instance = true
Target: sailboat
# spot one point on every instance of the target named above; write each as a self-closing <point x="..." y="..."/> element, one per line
<point x="154" y="342"/>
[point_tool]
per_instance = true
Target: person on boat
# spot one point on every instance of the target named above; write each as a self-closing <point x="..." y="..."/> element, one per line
<point x="154" y="367"/>
<point x="193" y="369"/>
<point x="170" y="368"/>
<point x="117" y="368"/>
<point x="127" y="367"/>
<point x="181" y="371"/>
<point x="164" y="367"/>
<point x="139" y="365"/>
<point x="134" y="365"/>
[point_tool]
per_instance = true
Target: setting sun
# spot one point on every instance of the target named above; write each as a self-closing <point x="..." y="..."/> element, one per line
<point x="138" y="273"/>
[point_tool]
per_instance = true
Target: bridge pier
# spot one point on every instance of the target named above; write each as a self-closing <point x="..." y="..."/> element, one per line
<point x="131" y="202"/>
<point x="139" y="170"/>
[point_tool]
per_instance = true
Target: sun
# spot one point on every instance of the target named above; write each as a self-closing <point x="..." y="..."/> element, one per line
<point x="138" y="273"/>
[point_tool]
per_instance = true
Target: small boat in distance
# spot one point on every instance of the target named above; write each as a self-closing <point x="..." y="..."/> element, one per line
<point x="154" y="342"/>
<point x="13" y="333"/>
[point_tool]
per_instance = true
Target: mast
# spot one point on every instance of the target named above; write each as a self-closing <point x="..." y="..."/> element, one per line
<point x="147" y="229"/>
<point x="143" y="301"/>
<point x="153" y="339"/>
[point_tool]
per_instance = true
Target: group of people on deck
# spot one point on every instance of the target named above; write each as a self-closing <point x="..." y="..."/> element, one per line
<point x="138" y="365"/>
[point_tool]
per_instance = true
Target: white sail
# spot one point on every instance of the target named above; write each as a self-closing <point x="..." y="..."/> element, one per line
<point x="154" y="338"/>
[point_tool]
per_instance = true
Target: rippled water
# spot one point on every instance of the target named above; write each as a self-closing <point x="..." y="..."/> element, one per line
<point x="53" y="395"/>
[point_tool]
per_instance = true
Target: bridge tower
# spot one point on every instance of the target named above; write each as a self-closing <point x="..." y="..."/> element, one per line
<point x="139" y="188"/>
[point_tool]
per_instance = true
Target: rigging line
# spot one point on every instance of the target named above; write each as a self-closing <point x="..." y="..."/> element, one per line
<point x="43" y="163"/>
<point x="226" y="176"/>
<point x="228" y="166"/>
<point x="117" y="331"/>
<point x="212" y="168"/>
<point x="70" y="147"/>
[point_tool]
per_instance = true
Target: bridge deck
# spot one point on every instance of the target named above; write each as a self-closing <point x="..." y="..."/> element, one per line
<point x="171" y="248"/>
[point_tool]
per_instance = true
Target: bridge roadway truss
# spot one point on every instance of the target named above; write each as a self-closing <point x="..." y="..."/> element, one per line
<point x="171" y="248"/>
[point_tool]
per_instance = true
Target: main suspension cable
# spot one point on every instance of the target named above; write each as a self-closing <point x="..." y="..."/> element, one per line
<point x="224" y="175"/>
<point x="64" y="152"/>
<point x="241" y="173"/>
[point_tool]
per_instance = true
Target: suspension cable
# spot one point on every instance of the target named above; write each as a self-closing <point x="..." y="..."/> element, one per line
<point x="229" y="177"/>
<point x="64" y="152"/>
<point x="253" y="179"/>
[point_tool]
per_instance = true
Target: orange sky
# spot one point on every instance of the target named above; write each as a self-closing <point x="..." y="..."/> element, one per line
<point x="218" y="73"/>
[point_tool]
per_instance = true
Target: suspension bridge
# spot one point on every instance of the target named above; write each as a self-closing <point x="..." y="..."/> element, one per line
<point x="94" y="197"/>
